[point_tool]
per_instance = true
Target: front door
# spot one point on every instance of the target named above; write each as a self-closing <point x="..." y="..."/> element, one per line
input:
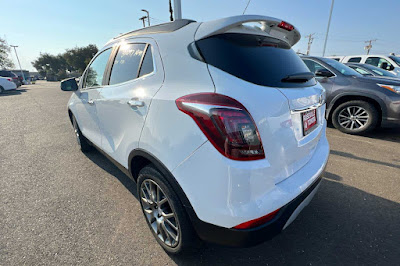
<point x="90" y="87"/>
<point x="135" y="77"/>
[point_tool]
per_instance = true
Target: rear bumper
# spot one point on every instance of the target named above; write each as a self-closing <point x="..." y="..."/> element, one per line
<point x="246" y="238"/>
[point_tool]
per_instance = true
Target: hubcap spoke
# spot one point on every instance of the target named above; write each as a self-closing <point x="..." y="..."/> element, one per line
<point x="159" y="213"/>
<point x="353" y="117"/>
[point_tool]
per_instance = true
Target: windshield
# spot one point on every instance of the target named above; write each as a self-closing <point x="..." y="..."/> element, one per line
<point x="396" y="59"/>
<point x="345" y="70"/>
<point x="257" y="59"/>
<point x="380" y="71"/>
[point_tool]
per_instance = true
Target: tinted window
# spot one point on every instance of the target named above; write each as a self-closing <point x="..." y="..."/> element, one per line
<point x="355" y="59"/>
<point x="127" y="61"/>
<point x="258" y="59"/>
<point x="361" y="71"/>
<point x="377" y="61"/>
<point x="313" y="66"/>
<point x="380" y="71"/>
<point x="95" y="72"/>
<point x="147" y="65"/>
<point x="343" y="69"/>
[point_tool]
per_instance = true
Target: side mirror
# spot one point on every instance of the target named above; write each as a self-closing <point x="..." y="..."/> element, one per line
<point x="325" y="73"/>
<point x="391" y="67"/>
<point x="384" y="65"/>
<point x="69" y="85"/>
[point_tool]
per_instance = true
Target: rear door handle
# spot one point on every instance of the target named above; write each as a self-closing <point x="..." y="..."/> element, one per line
<point x="135" y="102"/>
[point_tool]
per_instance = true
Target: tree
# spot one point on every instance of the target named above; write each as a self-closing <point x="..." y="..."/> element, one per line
<point x="5" y="61"/>
<point x="57" y="67"/>
<point x="51" y="66"/>
<point x="79" y="57"/>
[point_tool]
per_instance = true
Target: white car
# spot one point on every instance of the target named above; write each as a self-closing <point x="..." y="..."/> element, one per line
<point x="7" y="84"/>
<point x="390" y="63"/>
<point x="220" y="123"/>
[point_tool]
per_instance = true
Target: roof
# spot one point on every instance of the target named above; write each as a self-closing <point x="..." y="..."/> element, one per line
<point x="161" y="28"/>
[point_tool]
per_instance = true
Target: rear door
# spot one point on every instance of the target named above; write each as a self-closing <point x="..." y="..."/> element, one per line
<point x="85" y="108"/>
<point x="273" y="83"/>
<point x="135" y="76"/>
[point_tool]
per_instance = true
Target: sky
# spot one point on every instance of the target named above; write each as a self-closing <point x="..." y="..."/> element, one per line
<point x="45" y="26"/>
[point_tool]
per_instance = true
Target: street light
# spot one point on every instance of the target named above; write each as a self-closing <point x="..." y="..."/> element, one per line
<point x="148" y="16"/>
<point x="327" y="30"/>
<point x="15" y="50"/>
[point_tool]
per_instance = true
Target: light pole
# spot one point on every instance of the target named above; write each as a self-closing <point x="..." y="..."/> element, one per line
<point x="327" y="30"/>
<point x="177" y="9"/>
<point x="15" y="50"/>
<point x="148" y="16"/>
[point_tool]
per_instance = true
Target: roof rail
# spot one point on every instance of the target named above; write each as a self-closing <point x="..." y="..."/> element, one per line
<point x="160" y="28"/>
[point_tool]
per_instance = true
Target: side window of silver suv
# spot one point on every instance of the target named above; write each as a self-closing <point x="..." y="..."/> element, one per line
<point x="95" y="72"/>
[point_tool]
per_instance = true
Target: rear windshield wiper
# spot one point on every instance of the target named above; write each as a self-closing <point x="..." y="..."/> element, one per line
<point x="299" y="77"/>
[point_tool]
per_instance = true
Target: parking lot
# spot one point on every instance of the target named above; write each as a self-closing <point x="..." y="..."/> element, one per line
<point x="59" y="206"/>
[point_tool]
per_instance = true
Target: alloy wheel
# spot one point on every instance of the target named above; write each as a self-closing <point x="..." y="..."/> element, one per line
<point x="159" y="213"/>
<point x="353" y="117"/>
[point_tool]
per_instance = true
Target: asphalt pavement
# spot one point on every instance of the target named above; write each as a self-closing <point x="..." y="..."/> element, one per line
<point x="59" y="206"/>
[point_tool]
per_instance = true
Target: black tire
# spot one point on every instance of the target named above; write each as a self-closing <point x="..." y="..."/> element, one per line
<point x="187" y="240"/>
<point x="361" y="118"/>
<point x="1" y="90"/>
<point x="83" y="143"/>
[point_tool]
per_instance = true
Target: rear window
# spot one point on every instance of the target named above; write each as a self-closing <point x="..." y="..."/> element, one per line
<point x="355" y="60"/>
<point x="257" y="59"/>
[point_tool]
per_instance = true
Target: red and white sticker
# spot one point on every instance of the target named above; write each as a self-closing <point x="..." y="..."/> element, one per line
<point x="309" y="121"/>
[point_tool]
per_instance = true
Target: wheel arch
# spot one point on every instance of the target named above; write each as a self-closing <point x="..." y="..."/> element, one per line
<point x="139" y="158"/>
<point x="342" y="98"/>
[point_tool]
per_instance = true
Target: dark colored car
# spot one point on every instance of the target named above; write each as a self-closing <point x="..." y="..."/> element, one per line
<point x="10" y="74"/>
<point x="356" y="104"/>
<point x="370" y="70"/>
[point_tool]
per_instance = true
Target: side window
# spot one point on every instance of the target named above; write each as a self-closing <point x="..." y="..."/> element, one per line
<point x="355" y="59"/>
<point x="361" y="71"/>
<point x="313" y="66"/>
<point x="147" y="64"/>
<point x="378" y="62"/>
<point x="126" y="63"/>
<point x="95" y="72"/>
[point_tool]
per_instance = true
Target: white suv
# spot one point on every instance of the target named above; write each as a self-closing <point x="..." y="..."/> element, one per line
<point x="390" y="63"/>
<point x="220" y="123"/>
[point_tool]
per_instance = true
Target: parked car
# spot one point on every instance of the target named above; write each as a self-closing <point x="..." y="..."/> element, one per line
<point x="370" y="70"/>
<point x="12" y="75"/>
<point x="220" y="124"/>
<point x="356" y="104"/>
<point x="6" y="84"/>
<point x="387" y="62"/>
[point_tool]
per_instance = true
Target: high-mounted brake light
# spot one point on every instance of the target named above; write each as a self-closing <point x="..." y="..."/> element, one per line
<point x="257" y="222"/>
<point x="226" y="123"/>
<point x="286" y="26"/>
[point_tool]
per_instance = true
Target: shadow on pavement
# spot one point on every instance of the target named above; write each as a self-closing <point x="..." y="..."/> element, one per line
<point x="101" y="161"/>
<point x="342" y="225"/>
<point x="352" y="156"/>
<point x="13" y="92"/>
<point x="389" y="134"/>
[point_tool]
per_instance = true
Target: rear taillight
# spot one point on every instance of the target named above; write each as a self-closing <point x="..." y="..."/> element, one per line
<point x="226" y="123"/>
<point x="9" y="79"/>
<point x="257" y="222"/>
<point x="286" y="26"/>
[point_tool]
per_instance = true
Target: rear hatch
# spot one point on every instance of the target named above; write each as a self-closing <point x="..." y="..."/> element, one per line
<point x="264" y="74"/>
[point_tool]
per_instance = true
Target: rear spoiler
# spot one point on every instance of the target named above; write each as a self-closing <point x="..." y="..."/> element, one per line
<point x="269" y="26"/>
